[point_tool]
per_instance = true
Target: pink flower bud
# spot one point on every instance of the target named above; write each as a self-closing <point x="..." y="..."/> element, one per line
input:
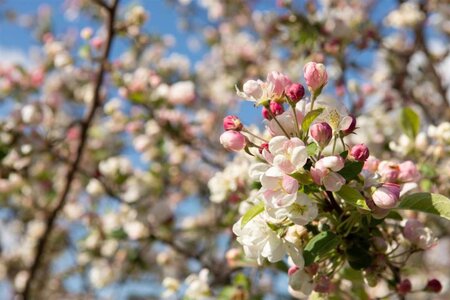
<point x="265" y="113"/>
<point x="292" y="270"/>
<point x="263" y="146"/>
<point x="434" y="286"/>
<point x="379" y="244"/>
<point x="360" y="152"/>
<point x="389" y="171"/>
<point x="233" y="256"/>
<point x="377" y="212"/>
<point x="232" y="123"/>
<point x="371" y="164"/>
<point x="97" y="42"/>
<point x="404" y="287"/>
<point x="276" y="109"/>
<point x="408" y="172"/>
<point x="295" y="92"/>
<point x="351" y="127"/>
<point x="321" y="133"/>
<point x="279" y="81"/>
<point x="387" y="196"/>
<point x="315" y="75"/>
<point x="233" y="140"/>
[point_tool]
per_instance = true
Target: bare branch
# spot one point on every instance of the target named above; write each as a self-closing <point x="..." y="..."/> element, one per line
<point x="73" y="166"/>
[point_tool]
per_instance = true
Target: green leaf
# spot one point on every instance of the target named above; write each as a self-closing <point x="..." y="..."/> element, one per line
<point x="240" y="280"/>
<point x="351" y="169"/>
<point x="319" y="246"/>
<point x="344" y="154"/>
<point x="226" y="293"/>
<point x="410" y="122"/>
<point x="435" y="204"/>
<point x="303" y="178"/>
<point x="251" y="213"/>
<point x="353" y="197"/>
<point x="357" y="251"/>
<point x="309" y="118"/>
<point x="311" y="149"/>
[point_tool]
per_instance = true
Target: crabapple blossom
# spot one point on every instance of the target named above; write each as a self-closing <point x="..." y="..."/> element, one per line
<point x="300" y="283"/>
<point x="408" y="172"/>
<point x="279" y="82"/>
<point x="182" y="93"/>
<point x="324" y="173"/>
<point x="288" y="155"/>
<point x="302" y="211"/>
<point x="279" y="189"/>
<point x="261" y="242"/>
<point x="419" y="235"/>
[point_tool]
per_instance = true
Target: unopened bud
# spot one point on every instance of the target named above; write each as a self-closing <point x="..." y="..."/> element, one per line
<point x="295" y="92"/>
<point x="434" y="286"/>
<point x="404" y="287"/>
<point x="387" y="195"/>
<point x="233" y="140"/>
<point x="232" y="123"/>
<point x="321" y="133"/>
<point x="360" y="152"/>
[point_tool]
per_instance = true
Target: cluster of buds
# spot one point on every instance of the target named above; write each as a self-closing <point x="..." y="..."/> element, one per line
<point x="306" y="171"/>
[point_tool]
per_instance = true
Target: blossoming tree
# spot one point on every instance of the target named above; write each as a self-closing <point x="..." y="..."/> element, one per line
<point x="114" y="184"/>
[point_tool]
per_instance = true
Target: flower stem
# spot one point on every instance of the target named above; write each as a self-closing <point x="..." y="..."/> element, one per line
<point x="254" y="135"/>
<point x="279" y="124"/>
<point x="296" y="121"/>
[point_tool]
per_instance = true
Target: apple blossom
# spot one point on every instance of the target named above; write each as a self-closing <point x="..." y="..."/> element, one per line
<point x="324" y="173"/>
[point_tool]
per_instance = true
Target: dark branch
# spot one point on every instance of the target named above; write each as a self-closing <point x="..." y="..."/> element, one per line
<point x="73" y="166"/>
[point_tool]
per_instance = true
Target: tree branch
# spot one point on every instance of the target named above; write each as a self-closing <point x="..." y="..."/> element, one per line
<point x="73" y="167"/>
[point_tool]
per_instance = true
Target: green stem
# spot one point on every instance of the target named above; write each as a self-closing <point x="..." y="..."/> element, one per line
<point x="299" y="134"/>
<point x="275" y="118"/>
<point x="334" y="144"/>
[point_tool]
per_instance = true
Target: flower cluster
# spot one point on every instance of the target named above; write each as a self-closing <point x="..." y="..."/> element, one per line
<point x="322" y="203"/>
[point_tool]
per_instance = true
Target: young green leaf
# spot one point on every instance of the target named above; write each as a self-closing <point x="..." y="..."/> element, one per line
<point x="309" y="118"/>
<point x="352" y="197"/>
<point x="311" y="149"/>
<point x="435" y="204"/>
<point x="319" y="246"/>
<point x="410" y="122"/>
<point x="351" y="169"/>
<point x="251" y="213"/>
